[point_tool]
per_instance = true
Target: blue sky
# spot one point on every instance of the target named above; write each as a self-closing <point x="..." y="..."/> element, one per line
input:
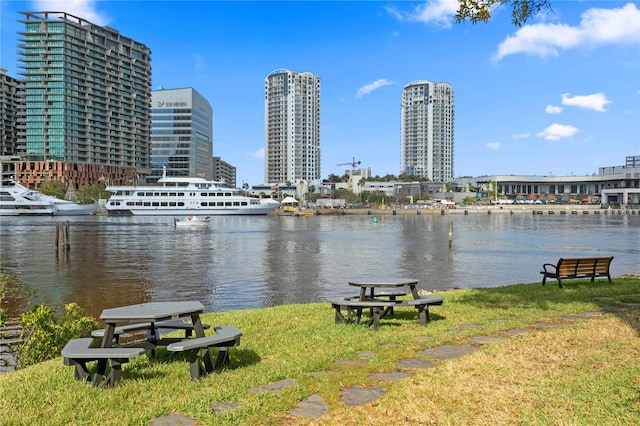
<point x="560" y="95"/>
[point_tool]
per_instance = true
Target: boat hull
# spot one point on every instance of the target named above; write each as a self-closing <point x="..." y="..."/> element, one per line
<point x="261" y="210"/>
<point x="44" y="211"/>
<point x="79" y="210"/>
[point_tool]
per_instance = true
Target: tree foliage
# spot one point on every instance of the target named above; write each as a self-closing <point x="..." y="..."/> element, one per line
<point x="45" y="333"/>
<point x="481" y="10"/>
<point x="90" y="194"/>
<point x="54" y="188"/>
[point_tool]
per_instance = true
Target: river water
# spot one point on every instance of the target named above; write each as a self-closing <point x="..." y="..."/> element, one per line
<point x="259" y="261"/>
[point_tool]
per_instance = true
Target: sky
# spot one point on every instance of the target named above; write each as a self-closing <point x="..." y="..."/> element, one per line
<point x="559" y="95"/>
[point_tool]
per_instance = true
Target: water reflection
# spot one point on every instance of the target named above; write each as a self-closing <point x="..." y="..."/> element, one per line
<point x="251" y="262"/>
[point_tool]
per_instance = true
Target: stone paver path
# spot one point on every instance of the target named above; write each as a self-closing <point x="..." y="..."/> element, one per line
<point x="275" y="386"/>
<point x="448" y="351"/>
<point x="360" y="395"/>
<point x="315" y="407"/>
<point x="415" y="363"/>
<point x="485" y="340"/>
<point x="390" y="377"/>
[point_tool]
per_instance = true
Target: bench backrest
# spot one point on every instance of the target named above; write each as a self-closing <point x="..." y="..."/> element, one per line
<point x="584" y="265"/>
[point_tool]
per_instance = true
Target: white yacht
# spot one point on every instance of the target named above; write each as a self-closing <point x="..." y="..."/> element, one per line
<point x="18" y="200"/>
<point x="175" y="196"/>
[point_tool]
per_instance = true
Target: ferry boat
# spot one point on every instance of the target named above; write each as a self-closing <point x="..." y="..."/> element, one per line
<point x="176" y="196"/>
<point x="18" y="200"/>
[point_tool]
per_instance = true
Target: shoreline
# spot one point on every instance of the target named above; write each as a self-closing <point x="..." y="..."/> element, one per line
<point x="562" y="209"/>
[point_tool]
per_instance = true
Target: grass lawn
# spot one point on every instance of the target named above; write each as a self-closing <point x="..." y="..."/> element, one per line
<point x="581" y="372"/>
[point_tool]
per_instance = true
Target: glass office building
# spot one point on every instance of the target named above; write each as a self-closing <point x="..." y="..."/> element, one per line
<point x="181" y="134"/>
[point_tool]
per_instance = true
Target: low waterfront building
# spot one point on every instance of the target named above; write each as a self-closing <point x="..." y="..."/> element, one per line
<point x="612" y="185"/>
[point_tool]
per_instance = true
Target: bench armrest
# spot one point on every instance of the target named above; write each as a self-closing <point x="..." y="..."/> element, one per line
<point x="552" y="268"/>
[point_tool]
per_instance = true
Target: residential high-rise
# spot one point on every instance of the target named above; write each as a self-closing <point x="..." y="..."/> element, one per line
<point x="181" y="134"/>
<point x="291" y="127"/>
<point x="88" y="96"/>
<point x="11" y="100"/>
<point x="427" y="130"/>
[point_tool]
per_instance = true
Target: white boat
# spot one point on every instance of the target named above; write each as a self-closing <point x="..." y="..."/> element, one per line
<point x="18" y="200"/>
<point x="176" y="196"/>
<point x="193" y="221"/>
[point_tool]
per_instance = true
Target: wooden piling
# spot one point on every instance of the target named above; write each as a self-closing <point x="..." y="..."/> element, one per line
<point x="62" y="236"/>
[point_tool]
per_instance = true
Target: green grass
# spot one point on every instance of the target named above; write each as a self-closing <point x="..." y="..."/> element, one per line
<point x="584" y="372"/>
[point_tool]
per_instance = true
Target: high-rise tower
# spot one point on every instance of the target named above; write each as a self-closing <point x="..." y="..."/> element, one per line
<point x="291" y="127"/>
<point x="88" y="98"/>
<point x="181" y="134"/>
<point x="427" y="130"/>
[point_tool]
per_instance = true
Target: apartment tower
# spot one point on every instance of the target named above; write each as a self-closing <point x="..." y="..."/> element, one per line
<point x="427" y="130"/>
<point x="292" y="127"/>
<point x="181" y="134"/>
<point x="88" y="99"/>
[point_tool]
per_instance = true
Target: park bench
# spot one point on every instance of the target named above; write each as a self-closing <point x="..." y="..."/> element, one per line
<point x="579" y="267"/>
<point x="197" y="350"/>
<point x="77" y="352"/>
<point x="168" y="325"/>
<point x="354" y="310"/>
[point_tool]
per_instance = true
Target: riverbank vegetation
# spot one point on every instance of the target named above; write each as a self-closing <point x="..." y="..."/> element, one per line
<point x="582" y="371"/>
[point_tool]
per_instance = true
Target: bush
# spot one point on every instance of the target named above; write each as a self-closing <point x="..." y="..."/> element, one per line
<point x="44" y="334"/>
<point x="10" y="286"/>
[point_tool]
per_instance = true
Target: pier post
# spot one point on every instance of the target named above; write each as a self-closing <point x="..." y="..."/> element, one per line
<point x="62" y="236"/>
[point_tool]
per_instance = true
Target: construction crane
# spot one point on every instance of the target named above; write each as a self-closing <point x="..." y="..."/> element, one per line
<point x="353" y="163"/>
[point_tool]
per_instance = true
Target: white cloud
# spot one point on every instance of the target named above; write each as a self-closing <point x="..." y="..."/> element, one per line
<point x="521" y="136"/>
<point x="257" y="154"/>
<point x="438" y="12"/>
<point x="366" y="89"/>
<point x="493" y="145"/>
<point x="558" y="131"/>
<point x="595" y="102"/>
<point x="552" y="109"/>
<point x="597" y="27"/>
<point x="85" y="9"/>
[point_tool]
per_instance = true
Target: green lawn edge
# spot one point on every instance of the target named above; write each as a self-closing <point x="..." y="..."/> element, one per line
<point x="295" y="341"/>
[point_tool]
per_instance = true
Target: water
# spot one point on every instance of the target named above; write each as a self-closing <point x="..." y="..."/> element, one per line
<point x="258" y="261"/>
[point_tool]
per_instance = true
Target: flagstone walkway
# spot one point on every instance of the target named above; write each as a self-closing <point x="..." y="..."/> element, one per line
<point x="314" y="406"/>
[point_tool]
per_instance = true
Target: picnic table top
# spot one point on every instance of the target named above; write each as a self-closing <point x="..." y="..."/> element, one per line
<point x="152" y="311"/>
<point x="383" y="282"/>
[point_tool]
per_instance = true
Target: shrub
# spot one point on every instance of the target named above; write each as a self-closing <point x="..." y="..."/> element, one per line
<point x="44" y="334"/>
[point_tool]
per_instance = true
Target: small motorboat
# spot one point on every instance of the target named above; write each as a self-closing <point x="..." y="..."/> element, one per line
<point x="193" y="221"/>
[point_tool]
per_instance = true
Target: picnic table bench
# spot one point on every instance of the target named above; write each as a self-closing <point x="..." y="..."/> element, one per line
<point x="354" y="310"/>
<point x="198" y="354"/>
<point x="77" y="352"/>
<point x="422" y="305"/>
<point x="151" y="328"/>
<point x="578" y="267"/>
